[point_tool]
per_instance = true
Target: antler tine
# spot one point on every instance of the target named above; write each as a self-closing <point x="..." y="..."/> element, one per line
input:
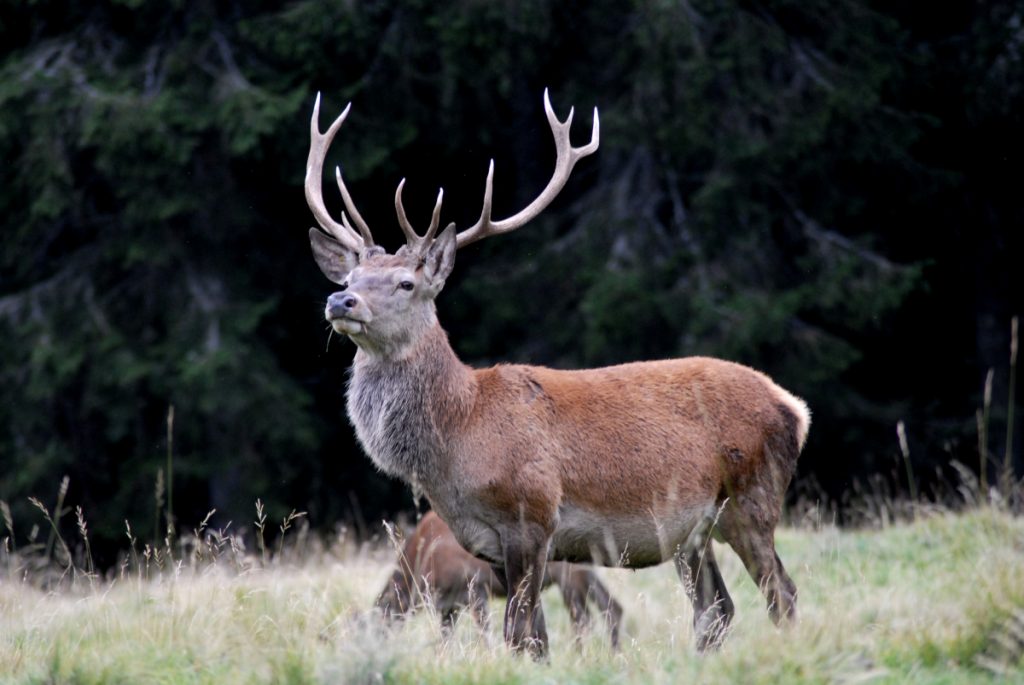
<point x="403" y="221"/>
<point x="318" y="145"/>
<point x="364" y="230"/>
<point x="566" y="157"/>
<point x="413" y="239"/>
<point x="435" y="217"/>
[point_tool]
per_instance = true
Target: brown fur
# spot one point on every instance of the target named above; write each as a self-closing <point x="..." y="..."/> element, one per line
<point x="433" y="568"/>
<point x="653" y="457"/>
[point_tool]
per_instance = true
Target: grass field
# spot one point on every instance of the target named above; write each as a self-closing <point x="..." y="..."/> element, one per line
<point x="938" y="600"/>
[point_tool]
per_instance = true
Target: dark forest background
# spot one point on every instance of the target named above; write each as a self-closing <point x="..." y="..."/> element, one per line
<point x="828" y="190"/>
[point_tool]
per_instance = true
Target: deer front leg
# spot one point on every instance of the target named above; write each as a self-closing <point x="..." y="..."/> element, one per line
<point x="575" y="586"/>
<point x="606" y="604"/>
<point x="449" y="617"/>
<point x="525" y="549"/>
<point x="580" y="586"/>
<point x="396" y="600"/>
<point x="478" y="597"/>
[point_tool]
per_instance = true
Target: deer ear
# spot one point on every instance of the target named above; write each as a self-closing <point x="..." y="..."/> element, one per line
<point x="440" y="258"/>
<point x="334" y="259"/>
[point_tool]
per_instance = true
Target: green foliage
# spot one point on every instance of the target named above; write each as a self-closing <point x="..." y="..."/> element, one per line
<point x="774" y="186"/>
<point x="120" y="297"/>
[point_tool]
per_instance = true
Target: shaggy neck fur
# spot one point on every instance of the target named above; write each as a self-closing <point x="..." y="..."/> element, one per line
<point x="403" y="408"/>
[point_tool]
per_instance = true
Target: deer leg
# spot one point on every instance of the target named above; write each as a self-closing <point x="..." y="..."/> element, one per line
<point x="449" y="617"/>
<point x="396" y="600"/>
<point x="785" y="597"/>
<point x="478" y="604"/>
<point x="712" y="607"/>
<point x="525" y="553"/>
<point x="765" y="567"/>
<point x="755" y="546"/>
<point x="611" y="609"/>
<point x="582" y="585"/>
<point x="574" y="593"/>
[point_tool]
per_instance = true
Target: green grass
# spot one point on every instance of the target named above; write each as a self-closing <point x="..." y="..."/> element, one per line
<point x="940" y="600"/>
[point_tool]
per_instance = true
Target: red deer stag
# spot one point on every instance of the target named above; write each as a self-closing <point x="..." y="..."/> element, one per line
<point x="627" y="465"/>
<point x="433" y="567"/>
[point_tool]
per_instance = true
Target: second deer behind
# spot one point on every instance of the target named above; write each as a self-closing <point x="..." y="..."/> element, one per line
<point x="433" y="568"/>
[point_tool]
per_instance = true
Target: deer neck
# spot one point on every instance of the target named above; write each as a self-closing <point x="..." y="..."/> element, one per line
<point x="406" y="410"/>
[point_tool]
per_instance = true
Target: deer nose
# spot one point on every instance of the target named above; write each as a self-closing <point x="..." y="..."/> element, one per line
<point x="341" y="304"/>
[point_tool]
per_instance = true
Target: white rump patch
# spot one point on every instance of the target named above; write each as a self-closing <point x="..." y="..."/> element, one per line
<point x="802" y="412"/>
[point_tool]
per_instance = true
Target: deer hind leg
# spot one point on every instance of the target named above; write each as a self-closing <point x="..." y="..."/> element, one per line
<point x="524" y="549"/>
<point x="712" y="607"/>
<point x="754" y="541"/>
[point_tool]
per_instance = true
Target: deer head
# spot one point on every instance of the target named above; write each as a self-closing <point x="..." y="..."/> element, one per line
<point x="387" y="301"/>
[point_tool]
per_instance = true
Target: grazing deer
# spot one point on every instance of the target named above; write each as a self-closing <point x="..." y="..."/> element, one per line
<point x="432" y="567"/>
<point x="627" y="465"/>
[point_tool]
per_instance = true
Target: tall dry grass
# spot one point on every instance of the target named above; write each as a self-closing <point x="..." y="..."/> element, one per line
<point x="939" y="599"/>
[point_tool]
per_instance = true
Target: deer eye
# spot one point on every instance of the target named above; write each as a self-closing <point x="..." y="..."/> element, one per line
<point x="406" y="285"/>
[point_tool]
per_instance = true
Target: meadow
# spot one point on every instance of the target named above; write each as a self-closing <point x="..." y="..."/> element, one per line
<point x="934" y="598"/>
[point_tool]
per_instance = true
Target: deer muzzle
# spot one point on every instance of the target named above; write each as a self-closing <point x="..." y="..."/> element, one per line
<point x="347" y="313"/>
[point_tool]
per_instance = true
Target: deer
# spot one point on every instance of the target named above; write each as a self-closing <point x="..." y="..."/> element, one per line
<point x="432" y="568"/>
<point x="629" y="465"/>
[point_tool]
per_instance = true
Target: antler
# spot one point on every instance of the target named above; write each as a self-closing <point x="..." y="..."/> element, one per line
<point x="566" y="158"/>
<point x="318" y="144"/>
<point x="415" y="241"/>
